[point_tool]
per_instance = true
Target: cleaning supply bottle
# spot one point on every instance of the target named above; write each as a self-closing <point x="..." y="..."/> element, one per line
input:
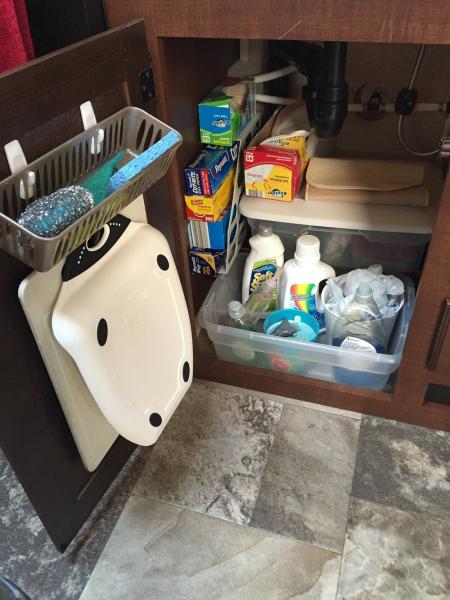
<point x="241" y="349"/>
<point x="238" y="316"/>
<point x="360" y="325"/>
<point x="303" y="277"/>
<point x="267" y="253"/>
<point x="261" y="301"/>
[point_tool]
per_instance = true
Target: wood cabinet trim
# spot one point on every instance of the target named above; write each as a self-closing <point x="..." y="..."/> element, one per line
<point x="440" y="336"/>
<point x="394" y="21"/>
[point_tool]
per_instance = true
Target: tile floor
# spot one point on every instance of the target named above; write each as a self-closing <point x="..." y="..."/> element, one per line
<point x="253" y="497"/>
<point x="27" y="554"/>
<point x="247" y="497"/>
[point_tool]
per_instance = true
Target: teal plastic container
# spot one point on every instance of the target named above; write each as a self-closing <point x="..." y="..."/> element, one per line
<point x="309" y="327"/>
<point x="309" y="330"/>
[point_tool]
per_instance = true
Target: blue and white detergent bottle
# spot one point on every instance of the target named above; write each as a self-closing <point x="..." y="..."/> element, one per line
<point x="266" y="256"/>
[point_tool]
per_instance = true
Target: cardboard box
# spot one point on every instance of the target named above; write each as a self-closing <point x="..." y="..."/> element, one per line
<point x="274" y="172"/>
<point x="205" y="174"/>
<point x="210" y="208"/>
<point x="223" y="111"/>
<point x="212" y="236"/>
<point x="207" y="262"/>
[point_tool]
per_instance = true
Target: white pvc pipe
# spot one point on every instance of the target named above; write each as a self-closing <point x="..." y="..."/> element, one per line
<point x="356" y="108"/>
<point x="275" y="74"/>
<point x="274" y="99"/>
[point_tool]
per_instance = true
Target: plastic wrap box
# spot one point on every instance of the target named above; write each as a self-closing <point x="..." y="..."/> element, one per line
<point x="206" y="172"/>
<point x="210" y="208"/>
<point x="210" y="235"/>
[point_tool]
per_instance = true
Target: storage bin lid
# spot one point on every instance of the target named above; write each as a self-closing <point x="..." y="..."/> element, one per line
<point x="399" y="219"/>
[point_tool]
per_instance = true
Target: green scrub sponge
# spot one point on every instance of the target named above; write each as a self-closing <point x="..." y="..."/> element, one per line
<point x="98" y="183"/>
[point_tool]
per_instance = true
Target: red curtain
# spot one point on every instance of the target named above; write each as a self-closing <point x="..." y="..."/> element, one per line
<point x="16" y="46"/>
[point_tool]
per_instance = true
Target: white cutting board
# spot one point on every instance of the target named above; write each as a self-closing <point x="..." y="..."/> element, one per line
<point x="92" y="433"/>
<point x="122" y="316"/>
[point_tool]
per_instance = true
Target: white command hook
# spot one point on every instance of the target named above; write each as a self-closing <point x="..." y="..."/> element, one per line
<point x="89" y="120"/>
<point x="17" y="162"/>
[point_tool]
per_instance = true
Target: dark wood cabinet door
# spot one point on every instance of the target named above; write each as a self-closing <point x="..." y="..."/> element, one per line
<point x="439" y="358"/>
<point x="39" y="106"/>
<point x="426" y="360"/>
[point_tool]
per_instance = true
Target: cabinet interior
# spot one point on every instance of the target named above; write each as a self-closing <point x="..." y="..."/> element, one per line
<point x="370" y="66"/>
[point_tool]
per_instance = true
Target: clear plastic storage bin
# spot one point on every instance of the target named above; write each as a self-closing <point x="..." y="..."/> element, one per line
<point x="312" y="359"/>
<point x="352" y="249"/>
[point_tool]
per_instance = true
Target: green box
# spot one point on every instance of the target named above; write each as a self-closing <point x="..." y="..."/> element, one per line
<point x="220" y="121"/>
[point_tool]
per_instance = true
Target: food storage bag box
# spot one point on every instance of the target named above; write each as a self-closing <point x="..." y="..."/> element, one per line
<point x="212" y="236"/>
<point x="226" y="109"/>
<point x="206" y="262"/>
<point x="274" y="170"/>
<point x="205" y="174"/>
<point x="210" y="208"/>
<point x="272" y="173"/>
<point x="311" y="359"/>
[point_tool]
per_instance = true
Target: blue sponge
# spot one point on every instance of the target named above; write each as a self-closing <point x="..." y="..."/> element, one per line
<point x="138" y="164"/>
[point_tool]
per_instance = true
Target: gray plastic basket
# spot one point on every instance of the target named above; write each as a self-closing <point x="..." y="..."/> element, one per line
<point x="130" y="129"/>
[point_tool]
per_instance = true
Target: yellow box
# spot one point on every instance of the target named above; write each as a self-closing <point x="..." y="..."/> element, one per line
<point x="274" y="166"/>
<point x="210" y="208"/>
<point x="272" y="173"/>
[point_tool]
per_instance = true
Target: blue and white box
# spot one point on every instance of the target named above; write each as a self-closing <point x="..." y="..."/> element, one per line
<point x="210" y="235"/>
<point x="207" y="262"/>
<point x="205" y="174"/>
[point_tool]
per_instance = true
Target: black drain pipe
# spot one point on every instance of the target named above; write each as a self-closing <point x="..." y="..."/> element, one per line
<point x="326" y="91"/>
<point x="332" y="94"/>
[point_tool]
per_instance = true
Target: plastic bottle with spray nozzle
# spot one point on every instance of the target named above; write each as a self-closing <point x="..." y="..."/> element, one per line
<point x="238" y="316"/>
<point x="256" y="308"/>
<point x="263" y="300"/>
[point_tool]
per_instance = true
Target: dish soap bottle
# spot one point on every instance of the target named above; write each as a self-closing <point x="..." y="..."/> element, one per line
<point x="260" y="302"/>
<point x="240" y="319"/>
<point x="238" y="316"/>
<point x="266" y="255"/>
<point x="303" y="277"/>
<point x="360" y="326"/>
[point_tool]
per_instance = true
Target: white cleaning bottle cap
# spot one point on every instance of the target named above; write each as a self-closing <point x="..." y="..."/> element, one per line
<point x="364" y="291"/>
<point x="264" y="229"/>
<point x="307" y="248"/>
<point x="235" y="309"/>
